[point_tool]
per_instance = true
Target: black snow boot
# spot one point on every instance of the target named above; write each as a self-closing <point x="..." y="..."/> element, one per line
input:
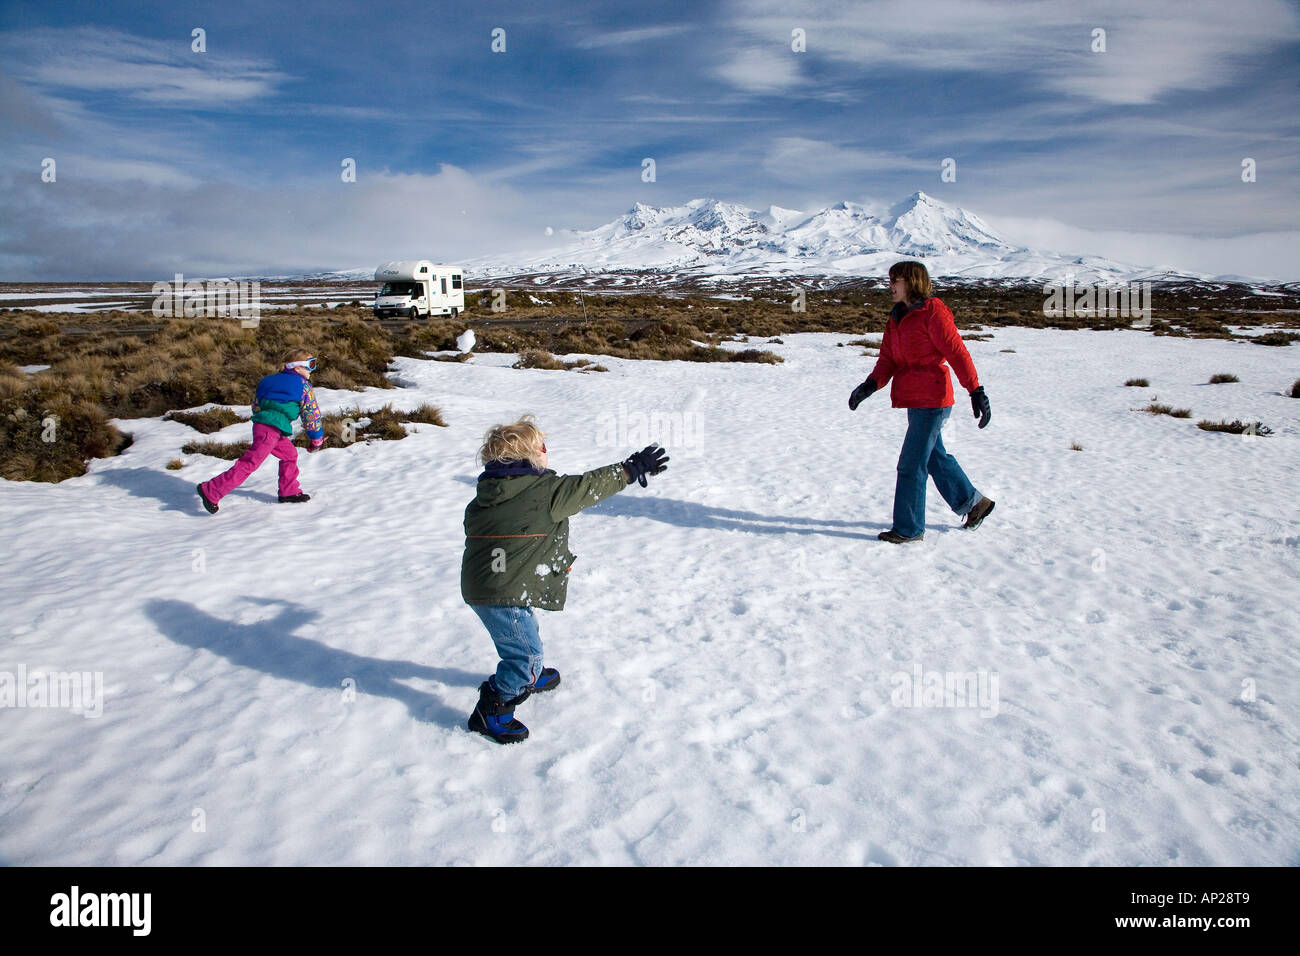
<point x="209" y="506"/>
<point x="295" y="499"/>
<point x="494" y="717"/>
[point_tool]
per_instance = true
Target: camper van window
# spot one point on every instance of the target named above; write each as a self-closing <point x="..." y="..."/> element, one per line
<point x="398" y="288"/>
<point x="455" y="282"/>
<point x="444" y="285"/>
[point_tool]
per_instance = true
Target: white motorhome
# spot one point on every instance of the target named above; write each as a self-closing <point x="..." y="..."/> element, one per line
<point x="419" y="288"/>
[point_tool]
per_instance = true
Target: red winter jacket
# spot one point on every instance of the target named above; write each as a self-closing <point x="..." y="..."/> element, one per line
<point x="913" y="353"/>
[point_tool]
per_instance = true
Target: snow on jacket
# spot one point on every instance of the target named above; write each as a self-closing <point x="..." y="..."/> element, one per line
<point x="918" y="340"/>
<point x="517" y="532"/>
<point x="281" y="398"/>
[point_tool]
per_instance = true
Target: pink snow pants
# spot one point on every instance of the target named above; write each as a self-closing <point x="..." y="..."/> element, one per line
<point x="266" y="441"/>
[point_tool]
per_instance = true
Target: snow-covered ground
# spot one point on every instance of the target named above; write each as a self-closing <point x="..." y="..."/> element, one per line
<point x="738" y="648"/>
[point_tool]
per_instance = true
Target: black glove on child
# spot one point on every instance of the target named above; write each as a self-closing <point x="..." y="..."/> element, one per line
<point x="979" y="403"/>
<point x="860" y="393"/>
<point x="650" y="460"/>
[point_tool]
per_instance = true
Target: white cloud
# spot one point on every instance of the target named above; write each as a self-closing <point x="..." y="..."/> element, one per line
<point x="1266" y="255"/>
<point x="109" y="228"/>
<point x="757" y="69"/>
<point x="1153" y="48"/>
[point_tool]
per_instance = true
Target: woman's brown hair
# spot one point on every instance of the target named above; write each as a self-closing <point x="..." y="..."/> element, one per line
<point x="917" y="278"/>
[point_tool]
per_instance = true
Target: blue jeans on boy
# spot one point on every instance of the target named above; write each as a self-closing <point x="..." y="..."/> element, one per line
<point x="924" y="455"/>
<point x="514" y="632"/>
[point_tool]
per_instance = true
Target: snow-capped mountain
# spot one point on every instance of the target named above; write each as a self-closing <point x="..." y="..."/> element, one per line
<point x="709" y="237"/>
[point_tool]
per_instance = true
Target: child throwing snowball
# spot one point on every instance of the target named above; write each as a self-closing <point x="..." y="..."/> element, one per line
<point x="517" y="558"/>
<point x="281" y="398"/>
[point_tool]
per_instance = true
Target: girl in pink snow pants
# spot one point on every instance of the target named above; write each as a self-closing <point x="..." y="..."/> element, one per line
<point x="281" y="398"/>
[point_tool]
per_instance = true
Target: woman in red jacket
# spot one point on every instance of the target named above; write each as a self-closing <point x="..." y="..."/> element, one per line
<point x="919" y="336"/>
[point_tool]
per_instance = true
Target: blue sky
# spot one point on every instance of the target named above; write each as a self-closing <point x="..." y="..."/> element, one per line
<point x="228" y="161"/>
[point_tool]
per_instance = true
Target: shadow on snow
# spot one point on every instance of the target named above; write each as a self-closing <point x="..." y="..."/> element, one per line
<point x="271" y="647"/>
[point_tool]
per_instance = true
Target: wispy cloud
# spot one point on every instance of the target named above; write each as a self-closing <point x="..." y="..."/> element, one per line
<point x="626" y="37"/>
<point x="94" y="59"/>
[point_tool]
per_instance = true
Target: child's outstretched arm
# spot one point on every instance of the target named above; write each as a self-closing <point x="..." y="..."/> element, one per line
<point x="575" y="492"/>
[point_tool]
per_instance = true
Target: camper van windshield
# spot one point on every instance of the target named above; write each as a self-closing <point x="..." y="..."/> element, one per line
<point x="399" y="288"/>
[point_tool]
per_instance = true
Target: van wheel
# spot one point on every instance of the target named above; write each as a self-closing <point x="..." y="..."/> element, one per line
<point x="413" y="314"/>
<point x="455" y="312"/>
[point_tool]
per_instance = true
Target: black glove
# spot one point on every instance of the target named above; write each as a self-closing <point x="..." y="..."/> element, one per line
<point x="979" y="402"/>
<point x="861" y="392"/>
<point x="650" y="460"/>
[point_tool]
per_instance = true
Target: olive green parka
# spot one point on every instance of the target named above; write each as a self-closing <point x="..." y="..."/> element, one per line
<point x="517" y="535"/>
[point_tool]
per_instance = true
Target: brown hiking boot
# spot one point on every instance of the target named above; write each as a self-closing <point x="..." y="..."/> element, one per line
<point x="978" y="513"/>
<point x="894" y="538"/>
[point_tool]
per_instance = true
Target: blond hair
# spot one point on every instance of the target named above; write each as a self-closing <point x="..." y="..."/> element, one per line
<point x="295" y="355"/>
<point x="518" y="440"/>
<point x="917" y="278"/>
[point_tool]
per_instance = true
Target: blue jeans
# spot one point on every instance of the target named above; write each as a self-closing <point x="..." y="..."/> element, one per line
<point x="514" y="632"/>
<point x="923" y="455"/>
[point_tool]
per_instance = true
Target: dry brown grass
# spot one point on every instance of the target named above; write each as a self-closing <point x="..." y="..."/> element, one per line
<point x="1138" y="383"/>
<point x="207" y="421"/>
<point x="1223" y="378"/>
<point x="133" y="366"/>
<point x="1295" y="388"/>
<point x="1157" y="408"/>
<point x="1237" y="427"/>
<point x="341" y="428"/>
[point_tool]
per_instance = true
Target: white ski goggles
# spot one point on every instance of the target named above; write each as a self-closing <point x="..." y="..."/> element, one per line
<point x="309" y="365"/>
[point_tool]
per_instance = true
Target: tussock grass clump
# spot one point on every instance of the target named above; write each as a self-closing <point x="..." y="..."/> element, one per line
<point x="1138" y="383"/>
<point x="384" y="423"/>
<point x="756" y="355"/>
<point x="1008" y="350"/>
<point x="1158" y="408"/>
<point x="1295" y="388"/>
<point x="228" y="450"/>
<point x="540" y="358"/>
<point x="1236" y="427"/>
<point x="175" y="465"/>
<point x="207" y="421"/>
<point x="426" y="414"/>
<point x="1075" y="446"/>
<point x="1222" y="378"/>
<point x="1275" y="338"/>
